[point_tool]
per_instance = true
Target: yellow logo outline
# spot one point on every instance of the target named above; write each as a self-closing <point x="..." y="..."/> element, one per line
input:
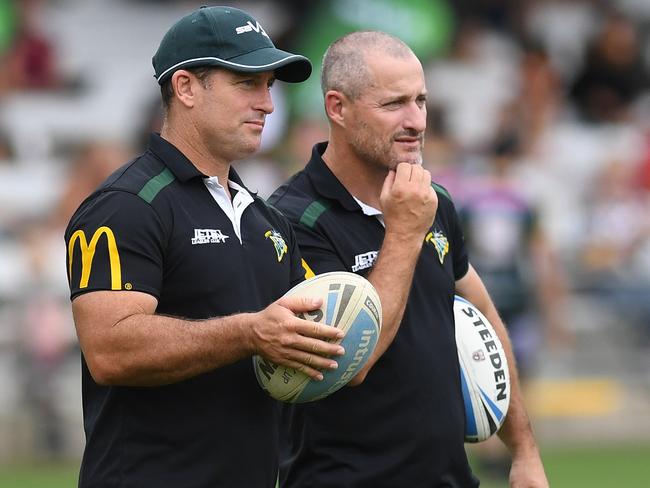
<point x="88" y="254"/>
<point x="309" y="273"/>
<point x="278" y="242"/>
<point x="439" y="242"/>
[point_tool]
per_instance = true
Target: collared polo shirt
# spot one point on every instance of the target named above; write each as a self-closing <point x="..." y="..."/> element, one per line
<point x="404" y="425"/>
<point x="158" y="226"/>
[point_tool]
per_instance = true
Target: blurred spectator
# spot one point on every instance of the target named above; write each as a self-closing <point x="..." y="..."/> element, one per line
<point x="29" y="61"/>
<point x="6" y="150"/>
<point x="507" y="246"/>
<point x="474" y="82"/>
<point x="299" y="141"/>
<point x="617" y="227"/>
<point x="644" y="167"/>
<point x="614" y="74"/>
<point x="540" y="100"/>
<point x="615" y="257"/>
<point x="47" y="338"/>
<point x="563" y="28"/>
<point x="502" y="15"/>
<point x="94" y="161"/>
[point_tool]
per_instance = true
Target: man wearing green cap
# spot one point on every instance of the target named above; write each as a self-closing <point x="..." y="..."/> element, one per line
<point x="176" y="274"/>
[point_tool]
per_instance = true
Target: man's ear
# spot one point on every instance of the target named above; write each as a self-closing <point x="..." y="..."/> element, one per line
<point x="184" y="84"/>
<point x="336" y="105"/>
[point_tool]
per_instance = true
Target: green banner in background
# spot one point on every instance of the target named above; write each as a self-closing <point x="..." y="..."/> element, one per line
<point x="7" y="24"/>
<point x="425" y="25"/>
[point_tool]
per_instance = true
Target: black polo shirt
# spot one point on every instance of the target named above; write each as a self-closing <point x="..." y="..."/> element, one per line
<point x="404" y="426"/>
<point x="154" y="227"/>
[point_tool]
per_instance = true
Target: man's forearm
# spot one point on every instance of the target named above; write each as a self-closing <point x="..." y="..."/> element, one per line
<point x="151" y="350"/>
<point x="392" y="277"/>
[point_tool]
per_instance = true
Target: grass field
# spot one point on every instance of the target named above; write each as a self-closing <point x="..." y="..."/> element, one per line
<point x="602" y="466"/>
<point x="611" y="466"/>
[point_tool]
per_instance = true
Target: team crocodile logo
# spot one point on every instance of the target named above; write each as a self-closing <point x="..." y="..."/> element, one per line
<point x="440" y="243"/>
<point x="278" y="242"/>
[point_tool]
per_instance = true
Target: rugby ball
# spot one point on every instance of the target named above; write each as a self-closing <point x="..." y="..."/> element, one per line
<point x="484" y="373"/>
<point x="350" y="303"/>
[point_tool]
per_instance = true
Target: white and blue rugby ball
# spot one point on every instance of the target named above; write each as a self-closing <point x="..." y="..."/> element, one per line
<point x="484" y="373"/>
<point x="351" y="303"/>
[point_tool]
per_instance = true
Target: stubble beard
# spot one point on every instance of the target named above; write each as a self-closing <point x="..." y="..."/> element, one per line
<point x="377" y="153"/>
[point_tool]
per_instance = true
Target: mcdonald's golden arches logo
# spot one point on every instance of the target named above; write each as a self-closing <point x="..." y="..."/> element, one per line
<point x="88" y="253"/>
<point x="308" y="271"/>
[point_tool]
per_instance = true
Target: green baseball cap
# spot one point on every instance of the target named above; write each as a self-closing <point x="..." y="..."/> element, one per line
<point x="226" y="37"/>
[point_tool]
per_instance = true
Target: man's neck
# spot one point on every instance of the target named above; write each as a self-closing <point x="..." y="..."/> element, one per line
<point x="191" y="146"/>
<point x="360" y="178"/>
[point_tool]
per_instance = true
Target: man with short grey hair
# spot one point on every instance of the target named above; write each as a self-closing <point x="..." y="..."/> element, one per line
<point x="364" y="204"/>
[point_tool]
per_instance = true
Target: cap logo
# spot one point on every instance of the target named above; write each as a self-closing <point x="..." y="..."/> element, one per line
<point x="250" y="27"/>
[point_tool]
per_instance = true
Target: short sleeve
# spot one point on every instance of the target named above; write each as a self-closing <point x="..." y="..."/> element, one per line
<point x="318" y="253"/>
<point x="298" y="270"/>
<point x="115" y="242"/>
<point x="459" y="249"/>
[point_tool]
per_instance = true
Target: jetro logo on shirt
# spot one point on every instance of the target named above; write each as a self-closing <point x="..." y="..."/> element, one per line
<point x="208" y="236"/>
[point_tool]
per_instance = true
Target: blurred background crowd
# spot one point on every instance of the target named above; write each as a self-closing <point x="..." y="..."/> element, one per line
<point x="539" y="126"/>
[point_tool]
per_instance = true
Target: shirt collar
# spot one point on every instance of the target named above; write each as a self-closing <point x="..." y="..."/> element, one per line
<point x="175" y="160"/>
<point x="234" y="184"/>
<point x="325" y="182"/>
<point x="367" y="209"/>
<point x="182" y="167"/>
